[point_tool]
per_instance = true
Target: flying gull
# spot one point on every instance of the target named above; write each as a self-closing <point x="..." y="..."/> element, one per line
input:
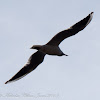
<point x="51" y="48"/>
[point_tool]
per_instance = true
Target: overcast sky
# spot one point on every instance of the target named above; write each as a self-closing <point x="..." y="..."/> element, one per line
<point x="24" y="23"/>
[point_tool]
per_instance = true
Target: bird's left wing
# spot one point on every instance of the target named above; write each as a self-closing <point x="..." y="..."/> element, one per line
<point x="35" y="59"/>
<point x="58" y="38"/>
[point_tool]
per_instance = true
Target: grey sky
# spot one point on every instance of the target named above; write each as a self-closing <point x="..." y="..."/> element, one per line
<point x="27" y="22"/>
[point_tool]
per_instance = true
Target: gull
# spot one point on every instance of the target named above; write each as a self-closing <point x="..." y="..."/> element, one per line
<point x="50" y="48"/>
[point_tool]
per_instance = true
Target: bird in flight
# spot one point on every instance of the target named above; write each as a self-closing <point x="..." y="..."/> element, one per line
<point x="50" y="48"/>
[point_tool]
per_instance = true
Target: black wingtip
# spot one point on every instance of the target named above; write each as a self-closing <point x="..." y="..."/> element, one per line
<point x="92" y="12"/>
<point x="6" y="82"/>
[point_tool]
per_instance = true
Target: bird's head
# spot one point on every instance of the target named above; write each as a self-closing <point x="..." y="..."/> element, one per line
<point x="37" y="47"/>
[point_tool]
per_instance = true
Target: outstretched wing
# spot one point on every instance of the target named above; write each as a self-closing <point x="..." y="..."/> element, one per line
<point x="58" y="38"/>
<point x="35" y="59"/>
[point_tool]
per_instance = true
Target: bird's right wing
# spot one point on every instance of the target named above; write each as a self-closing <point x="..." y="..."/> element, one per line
<point x="58" y="38"/>
<point x="35" y="59"/>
